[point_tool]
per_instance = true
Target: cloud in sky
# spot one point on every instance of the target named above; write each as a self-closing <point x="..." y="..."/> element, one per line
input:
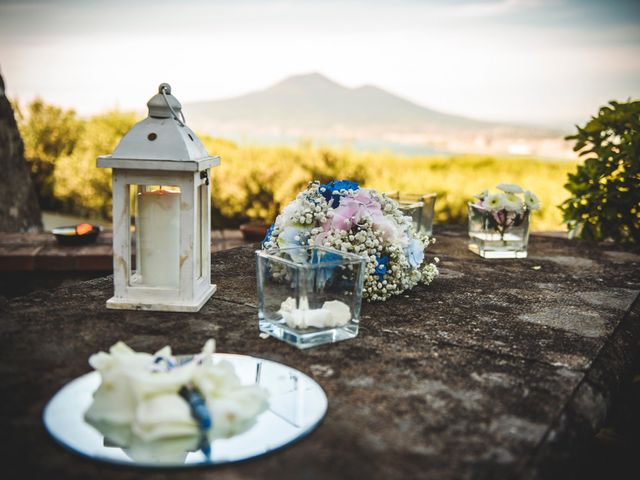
<point x="550" y="61"/>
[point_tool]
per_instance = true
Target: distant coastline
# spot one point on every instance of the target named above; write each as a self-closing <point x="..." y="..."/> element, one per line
<point x="365" y="118"/>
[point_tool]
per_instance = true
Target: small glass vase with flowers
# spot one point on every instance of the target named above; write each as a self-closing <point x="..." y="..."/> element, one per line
<point x="499" y="222"/>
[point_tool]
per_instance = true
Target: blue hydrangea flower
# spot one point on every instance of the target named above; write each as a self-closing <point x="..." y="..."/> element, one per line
<point x="383" y="266"/>
<point x="330" y="191"/>
<point x="325" y="257"/>
<point x="414" y="252"/>
<point x="268" y="235"/>
<point x="292" y="237"/>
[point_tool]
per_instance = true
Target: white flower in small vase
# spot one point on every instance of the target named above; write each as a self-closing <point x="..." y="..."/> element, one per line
<point x="494" y="202"/>
<point x="531" y="201"/>
<point x="512" y="202"/>
<point x="482" y="195"/>
<point x="510" y="188"/>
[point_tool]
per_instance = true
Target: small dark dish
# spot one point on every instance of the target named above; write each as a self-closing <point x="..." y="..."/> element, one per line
<point x="254" y="231"/>
<point x="82" y="234"/>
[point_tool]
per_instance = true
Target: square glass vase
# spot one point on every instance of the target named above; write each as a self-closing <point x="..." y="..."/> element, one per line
<point x="420" y="207"/>
<point x="309" y="296"/>
<point x="500" y="234"/>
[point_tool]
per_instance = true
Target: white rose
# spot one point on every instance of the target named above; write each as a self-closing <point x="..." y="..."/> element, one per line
<point x="163" y="416"/>
<point x="139" y="401"/>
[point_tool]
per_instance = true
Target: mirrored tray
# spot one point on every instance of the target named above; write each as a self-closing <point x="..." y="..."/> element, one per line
<point x="297" y="404"/>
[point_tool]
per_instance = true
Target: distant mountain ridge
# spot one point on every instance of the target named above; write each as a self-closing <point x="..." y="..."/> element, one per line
<point x="314" y="102"/>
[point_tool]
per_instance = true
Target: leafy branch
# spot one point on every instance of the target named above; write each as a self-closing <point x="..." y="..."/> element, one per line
<point x="605" y="201"/>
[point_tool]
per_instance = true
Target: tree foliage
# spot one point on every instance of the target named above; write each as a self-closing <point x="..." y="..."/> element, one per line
<point x="49" y="133"/>
<point x="605" y="189"/>
<point x="79" y="186"/>
<point x="253" y="183"/>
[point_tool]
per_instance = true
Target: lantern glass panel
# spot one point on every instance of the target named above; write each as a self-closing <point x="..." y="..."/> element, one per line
<point x="202" y="237"/>
<point x="156" y="236"/>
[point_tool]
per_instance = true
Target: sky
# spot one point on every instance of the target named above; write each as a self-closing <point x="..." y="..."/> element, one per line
<point x="551" y="62"/>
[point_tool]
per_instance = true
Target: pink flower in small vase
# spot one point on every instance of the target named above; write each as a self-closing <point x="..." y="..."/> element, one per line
<point x="500" y="216"/>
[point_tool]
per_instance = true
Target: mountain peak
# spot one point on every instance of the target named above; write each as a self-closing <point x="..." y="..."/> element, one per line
<point x="314" y="102"/>
<point x="307" y="80"/>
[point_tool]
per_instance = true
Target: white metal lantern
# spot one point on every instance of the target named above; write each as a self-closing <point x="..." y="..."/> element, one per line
<point x="161" y="185"/>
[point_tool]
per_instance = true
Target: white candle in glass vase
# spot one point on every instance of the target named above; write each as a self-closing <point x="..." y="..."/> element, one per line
<point x="158" y="226"/>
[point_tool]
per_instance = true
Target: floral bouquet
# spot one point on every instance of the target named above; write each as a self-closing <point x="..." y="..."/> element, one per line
<point x="159" y="407"/>
<point x="346" y="217"/>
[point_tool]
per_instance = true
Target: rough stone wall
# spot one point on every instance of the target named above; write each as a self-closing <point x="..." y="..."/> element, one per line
<point x="19" y="210"/>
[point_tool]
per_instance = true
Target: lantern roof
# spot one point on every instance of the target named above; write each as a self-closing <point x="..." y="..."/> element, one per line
<point x="162" y="141"/>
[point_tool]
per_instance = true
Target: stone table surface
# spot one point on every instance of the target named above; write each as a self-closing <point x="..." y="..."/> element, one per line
<point x="499" y="369"/>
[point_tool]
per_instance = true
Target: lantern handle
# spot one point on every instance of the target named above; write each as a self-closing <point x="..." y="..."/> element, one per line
<point x="165" y="89"/>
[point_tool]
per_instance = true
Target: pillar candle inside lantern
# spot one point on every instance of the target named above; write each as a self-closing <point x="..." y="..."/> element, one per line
<point x="158" y="227"/>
